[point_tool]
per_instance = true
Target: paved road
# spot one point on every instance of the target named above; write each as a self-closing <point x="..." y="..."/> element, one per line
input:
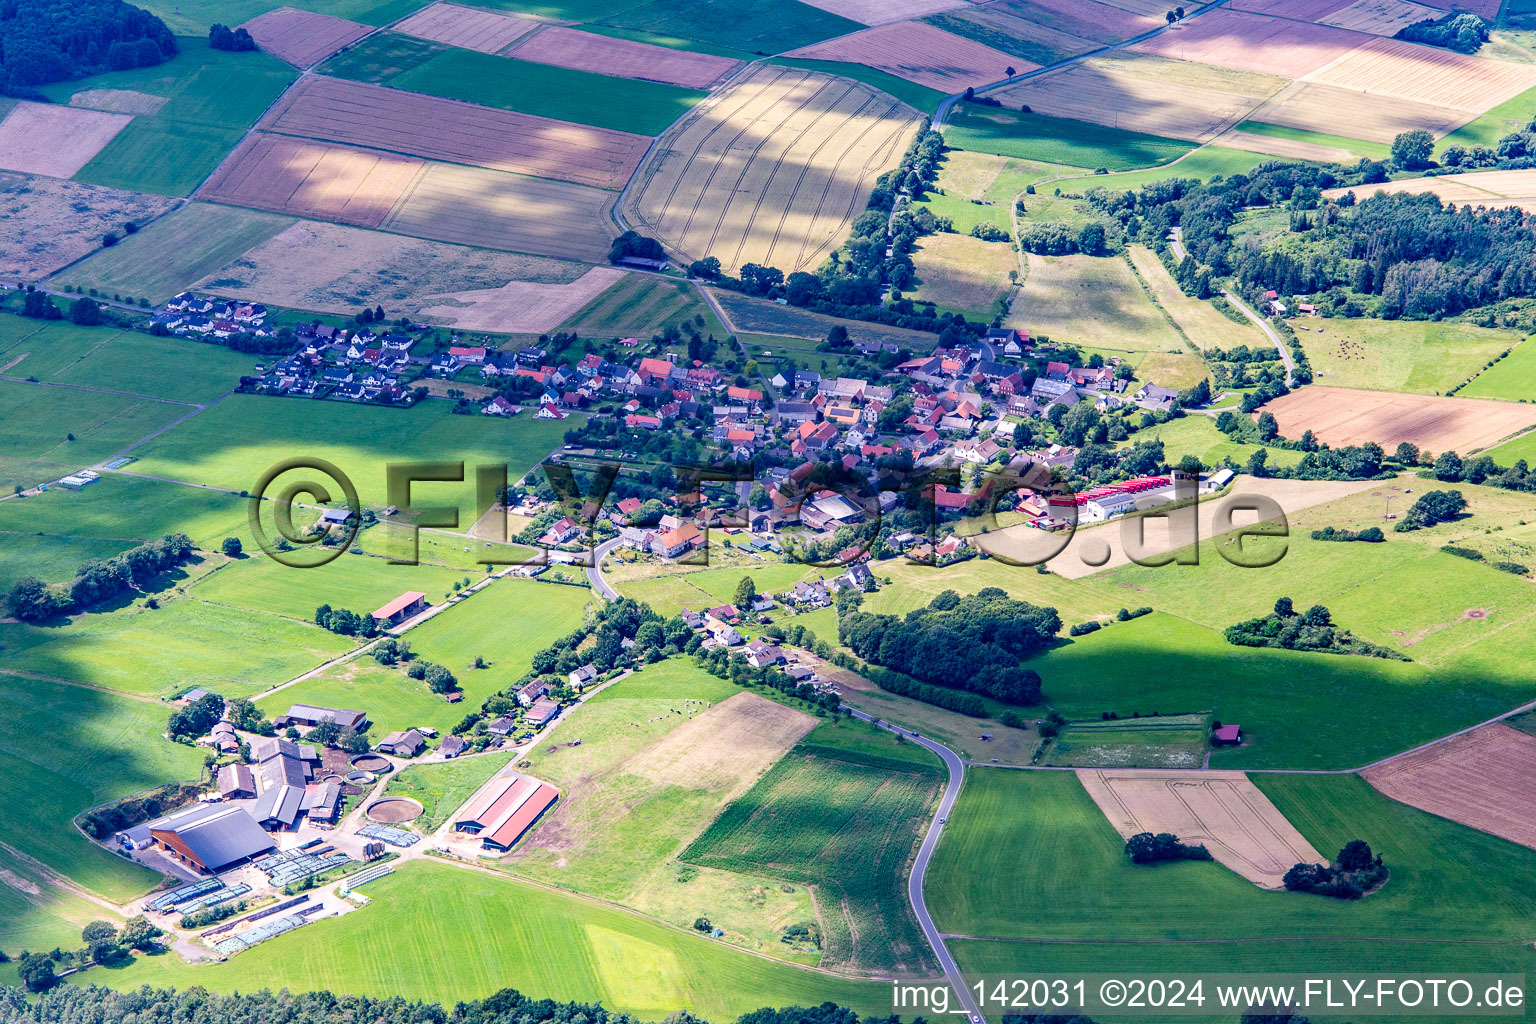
<point x="1179" y="252"/>
<point x="956" y="768"/>
<point x="595" y="570"/>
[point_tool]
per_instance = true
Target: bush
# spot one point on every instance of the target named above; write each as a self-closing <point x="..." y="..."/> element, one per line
<point x="1146" y="848"/>
<point x="1084" y="628"/>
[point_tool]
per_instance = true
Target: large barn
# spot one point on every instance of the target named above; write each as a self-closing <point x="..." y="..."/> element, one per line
<point x="505" y="809"/>
<point x="210" y="837"/>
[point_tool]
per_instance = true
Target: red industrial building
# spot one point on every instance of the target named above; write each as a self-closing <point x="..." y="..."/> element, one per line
<point x="506" y="808"/>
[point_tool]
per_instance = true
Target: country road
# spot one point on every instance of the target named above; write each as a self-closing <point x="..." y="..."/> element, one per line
<point x="595" y="570"/>
<point x="1179" y="252"/>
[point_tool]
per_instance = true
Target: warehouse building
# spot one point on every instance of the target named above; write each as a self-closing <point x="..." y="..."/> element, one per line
<point x="210" y="837"/>
<point x="506" y="808"/>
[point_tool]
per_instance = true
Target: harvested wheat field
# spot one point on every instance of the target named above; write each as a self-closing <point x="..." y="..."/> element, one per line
<point x="1344" y="416"/>
<point x="518" y="307"/>
<point x="1426" y="74"/>
<point x="118" y="101"/>
<point x="1254" y="42"/>
<point x="1144" y="96"/>
<point x="45" y="138"/>
<point x="771" y="170"/>
<point x="469" y="27"/>
<point x="303" y="38"/>
<point x="46" y="223"/>
<point x="879" y="12"/>
<point x="624" y="58"/>
<point x="919" y="53"/>
<point x="332" y="268"/>
<point x="1223" y="811"/>
<point x="497" y="210"/>
<point x="1301" y="10"/>
<point x="1332" y="110"/>
<point x="1482" y="188"/>
<point x="1051" y="28"/>
<point x="1485" y="779"/>
<point x="312" y="179"/>
<point x="426" y="126"/>
<point x="1381" y="17"/>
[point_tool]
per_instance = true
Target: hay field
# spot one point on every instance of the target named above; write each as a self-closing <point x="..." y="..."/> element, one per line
<point x="44" y="138"/>
<point x="118" y="101"/>
<point x="1254" y="42"/>
<point x="518" y="307"/>
<point x="1076" y="298"/>
<point x="303" y="38"/>
<point x="1426" y="74"/>
<point x="963" y="273"/>
<point x="1483" y="188"/>
<point x="313" y="179"/>
<point x="625" y="58"/>
<point x="442" y="129"/>
<point x="1330" y="109"/>
<point x="468" y="27"/>
<point x="335" y="269"/>
<point x="878" y="12"/>
<point x="1200" y="320"/>
<point x="1343" y="416"/>
<point x="1286" y="148"/>
<point x="1112" y="92"/>
<point x="1221" y="810"/>
<point x="497" y="210"/>
<point x="1481" y="779"/>
<point x="46" y="223"/>
<point x="919" y="53"/>
<point x="772" y="170"/>
<point x="1380" y="17"/>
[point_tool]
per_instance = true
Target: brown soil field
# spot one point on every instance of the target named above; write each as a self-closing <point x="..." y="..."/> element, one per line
<point x="426" y="126"/>
<point x="497" y="210"/>
<point x="1482" y="779"/>
<point x="118" y="101"/>
<point x="45" y="138"/>
<point x="879" y="12"/>
<point x="1223" y="811"/>
<point x="1484" y="188"/>
<point x="772" y="170"/>
<point x="46" y="223"/>
<point x="312" y="179"/>
<point x="332" y="268"/>
<point x="919" y="53"/>
<point x="518" y="307"/>
<point x="1426" y="74"/>
<point x="1344" y="416"/>
<point x="468" y="27"/>
<point x="1287" y="149"/>
<point x="1336" y="111"/>
<point x="1254" y="42"/>
<point x="587" y="51"/>
<point x="1112" y="93"/>
<point x="1380" y="17"/>
<point x="302" y="38"/>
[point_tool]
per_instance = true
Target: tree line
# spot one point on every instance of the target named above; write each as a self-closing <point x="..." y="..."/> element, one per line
<point x="98" y="580"/>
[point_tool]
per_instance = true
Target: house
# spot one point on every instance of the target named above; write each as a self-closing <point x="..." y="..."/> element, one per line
<point x="499" y="406"/>
<point x="583" y="676"/>
<point x="531" y="692"/>
<point x="760" y="654"/>
<point x="561" y="531"/>
<point x="692" y="619"/>
<point x="452" y="746"/>
<point x="313" y="714"/>
<point x="1227" y="736"/>
<point x="504" y="809"/>
<point x="978" y="452"/>
<point x="407" y="605"/>
<point x="502" y="726"/>
<point x="210" y="837"/>
<point x="679" y="541"/>
<point x="813" y="594"/>
<point x="1154" y="398"/>
<point x="402" y="744"/>
<point x="815" y="436"/>
<point x="1057" y="371"/>
<point x="236" y="782"/>
<point x="541" y="713"/>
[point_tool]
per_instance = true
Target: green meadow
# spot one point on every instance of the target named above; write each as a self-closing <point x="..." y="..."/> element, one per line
<point x="1056" y="140"/>
<point x="35" y="430"/>
<point x="1513" y="377"/>
<point x="1418" y="356"/>
<point x="756" y="26"/>
<point x="36" y="914"/>
<point x="357" y="582"/>
<point x="192" y="17"/>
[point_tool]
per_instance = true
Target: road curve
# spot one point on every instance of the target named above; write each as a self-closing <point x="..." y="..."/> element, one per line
<point x="1179" y="252"/>
<point x="595" y="570"/>
<point x="956" y="768"/>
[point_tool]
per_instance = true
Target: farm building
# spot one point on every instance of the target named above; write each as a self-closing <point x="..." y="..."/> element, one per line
<point x="278" y="807"/>
<point x="506" y="808"/>
<point x="401" y="608"/>
<point x="322" y="801"/>
<point x="284" y="762"/>
<point x="542" y="712"/>
<point x="311" y="715"/>
<point x="1227" y="736"/>
<point x="236" y="780"/>
<point x="402" y="744"/>
<point x="210" y="837"/>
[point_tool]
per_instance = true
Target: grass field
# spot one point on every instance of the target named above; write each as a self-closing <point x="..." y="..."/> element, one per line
<point x="1080" y="298"/>
<point x="756" y="26"/>
<point x="1200" y="321"/>
<point x="35" y="914"/>
<point x="359" y="583"/>
<point x="175" y="369"/>
<point x="192" y="17"/>
<point x="99" y="747"/>
<point x="1056" y="140"/>
<point x="441" y="788"/>
<point x="1204" y="163"/>
<point x="758" y="316"/>
<point x="34" y="433"/>
<point x="913" y="95"/>
<point x="642" y="305"/>
<point x="1172" y="741"/>
<point x="963" y="273"/>
<point x="1359" y="147"/>
<point x="176" y="251"/>
<point x="1198" y="436"/>
<point x="1421" y="357"/>
<point x="499" y="933"/>
<point x="1513" y="377"/>
<point x="669" y="592"/>
<point x="846" y="823"/>
<point x="623" y="104"/>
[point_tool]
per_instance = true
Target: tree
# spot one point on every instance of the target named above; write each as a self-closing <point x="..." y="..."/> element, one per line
<point x="707" y="268"/>
<point x="1411" y="149"/>
<point x="31" y="600"/>
<point x="1355" y="855"/>
<point x="1090" y="239"/>
<point x="326" y="732"/>
<point x="98" y="931"/>
<point x="36" y="972"/>
<point x="1269" y="428"/>
<point x="85" y="312"/>
<point x="221" y="37"/>
<point x="440" y="680"/>
<point x="1284" y="608"/>
<point x="231" y="547"/>
<point x="138" y="933"/>
<point x="746" y="590"/>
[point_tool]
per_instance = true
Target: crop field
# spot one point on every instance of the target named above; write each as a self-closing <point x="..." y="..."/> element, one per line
<point x="1044" y="31"/>
<point x="1493" y="189"/>
<point x="298" y="176"/>
<point x="334" y="268"/>
<point x="403" y="122"/>
<point x="118" y="101"/>
<point x="918" y="97"/>
<point x="771" y="171"/>
<point x="759" y="27"/>
<point x="963" y="273"/>
<point x="1170" y="741"/>
<point x="640" y="305"/>
<point x="40" y="138"/>
<point x="1200" y="321"/>
<point x="846" y="823"/>
<point x="466" y="27"/>
<point x="46" y="223"/>
<point x="876" y="12"/>
<point x="1401" y="355"/>
<point x="606" y="55"/>
<point x="1112" y="92"/>
<point x="1509" y="378"/>
<point x="1056" y="140"/>
<point x="383" y="55"/>
<point x="920" y="53"/>
<point x="759" y="316"/>
<point x="1333" y="110"/>
<point x="1380" y="17"/>
<point x="1343" y="416"/>
<point x="443" y="787"/>
<point x="1426" y="74"/>
<point x="1299" y="144"/>
<point x="1254" y="42"/>
<point x="1222" y="811"/>
<point x="518" y="306"/>
<point x="101" y="746"/>
<point x="1075" y="298"/>
<point x="500" y="933"/>
<point x="302" y="38"/>
<point x="176" y="251"/>
<point x="1476" y="779"/>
